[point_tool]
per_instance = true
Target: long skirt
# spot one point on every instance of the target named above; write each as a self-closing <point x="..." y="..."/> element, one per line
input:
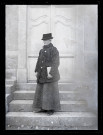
<point x="46" y="97"/>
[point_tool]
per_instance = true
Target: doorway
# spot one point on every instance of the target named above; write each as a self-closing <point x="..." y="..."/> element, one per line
<point x="60" y="20"/>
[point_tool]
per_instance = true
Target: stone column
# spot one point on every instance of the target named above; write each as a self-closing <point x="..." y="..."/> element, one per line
<point x="91" y="56"/>
<point x="22" y="61"/>
<point x="79" y="59"/>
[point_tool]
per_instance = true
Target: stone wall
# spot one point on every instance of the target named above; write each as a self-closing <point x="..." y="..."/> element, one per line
<point x="11" y="40"/>
<point x="87" y="53"/>
<point x="16" y="62"/>
<point x="91" y="54"/>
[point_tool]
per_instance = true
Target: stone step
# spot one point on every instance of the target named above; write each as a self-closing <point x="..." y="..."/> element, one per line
<point x="64" y="95"/>
<point x="57" y="121"/>
<point x="8" y="98"/>
<point x="9" y="89"/>
<point x="22" y="127"/>
<point x="11" y="73"/>
<point x="26" y="106"/>
<point x="32" y="86"/>
<point x="10" y="81"/>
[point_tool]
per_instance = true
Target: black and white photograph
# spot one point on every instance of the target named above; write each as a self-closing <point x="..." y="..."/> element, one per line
<point x="51" y="80"/>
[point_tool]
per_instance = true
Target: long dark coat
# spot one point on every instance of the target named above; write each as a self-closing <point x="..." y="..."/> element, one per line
<point x="47" y="93"/>
<point x="47" y="97"/>
<point x="48" y="57"/>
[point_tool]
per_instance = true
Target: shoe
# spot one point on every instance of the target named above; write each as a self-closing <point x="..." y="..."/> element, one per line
<point x="40" y="111"/>
<point x="37" y="111"/>
<point x="50" y="112"/>
<point x="44" y="110"/>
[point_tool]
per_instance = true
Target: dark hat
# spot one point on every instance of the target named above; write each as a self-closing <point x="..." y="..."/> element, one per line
<point x="47" y="36"/>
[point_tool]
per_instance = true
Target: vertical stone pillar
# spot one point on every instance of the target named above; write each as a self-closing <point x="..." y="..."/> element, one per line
<point x="91" y="56"/>
<point x="11" y="39"/>
<point x="79" y="59"/>
<point x="22" y="61"/>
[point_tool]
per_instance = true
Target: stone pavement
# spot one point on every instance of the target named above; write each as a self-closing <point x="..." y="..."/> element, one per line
<point x="22" y="127"/>
<point x="57" y="121"/>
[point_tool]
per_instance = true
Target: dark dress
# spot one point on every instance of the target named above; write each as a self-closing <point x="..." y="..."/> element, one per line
<point x="47" y="93"/>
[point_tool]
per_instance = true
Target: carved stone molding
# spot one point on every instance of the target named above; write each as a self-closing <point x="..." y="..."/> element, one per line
<point x="39" y="18"/>
<point x="38" y="21"/>
<point x="63" y="20"/>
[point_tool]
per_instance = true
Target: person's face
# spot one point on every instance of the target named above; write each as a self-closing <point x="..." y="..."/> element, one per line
<point x="46" y="42"/>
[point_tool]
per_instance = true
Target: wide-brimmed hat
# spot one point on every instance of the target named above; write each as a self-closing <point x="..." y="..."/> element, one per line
<point x="47" y="36"/>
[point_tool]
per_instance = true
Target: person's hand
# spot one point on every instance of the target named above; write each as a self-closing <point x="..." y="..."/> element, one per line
<point x="49" y="76"/>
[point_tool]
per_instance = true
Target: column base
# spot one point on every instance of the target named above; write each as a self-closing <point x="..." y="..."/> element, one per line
<point x="22" y="75"/>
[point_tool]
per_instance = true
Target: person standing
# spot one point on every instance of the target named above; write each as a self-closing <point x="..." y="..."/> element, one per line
<point x="46" y="97"/>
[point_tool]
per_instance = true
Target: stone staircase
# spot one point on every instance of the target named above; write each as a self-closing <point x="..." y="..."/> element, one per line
<point x="10" y="88"/>
<point x="74" y="114"/>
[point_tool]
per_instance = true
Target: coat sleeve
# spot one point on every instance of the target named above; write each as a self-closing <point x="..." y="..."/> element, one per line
<point x="55" y="62"/>
<point x="37" y="64"/>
